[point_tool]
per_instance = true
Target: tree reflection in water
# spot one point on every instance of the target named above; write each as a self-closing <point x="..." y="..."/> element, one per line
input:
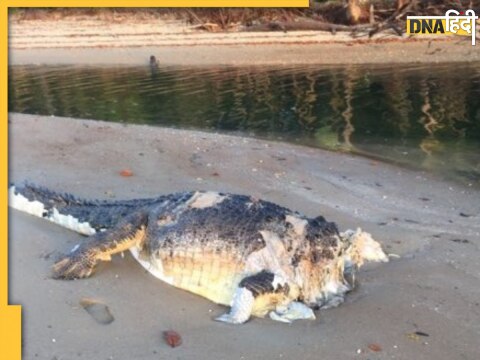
<point x="418" y="115"/>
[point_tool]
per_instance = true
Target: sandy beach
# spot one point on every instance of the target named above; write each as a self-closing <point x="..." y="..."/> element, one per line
<point x="422" y="305"/>
<point x="100" y="41"/>
<point x="431" y="288"/>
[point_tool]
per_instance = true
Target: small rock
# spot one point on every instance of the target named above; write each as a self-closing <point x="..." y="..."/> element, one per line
<point x="126" y="173"/>
<point x="172" y="338"/>
<point x="375" y="347"/>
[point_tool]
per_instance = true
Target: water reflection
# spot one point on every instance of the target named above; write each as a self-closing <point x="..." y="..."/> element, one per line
<point x="422" y="116"/>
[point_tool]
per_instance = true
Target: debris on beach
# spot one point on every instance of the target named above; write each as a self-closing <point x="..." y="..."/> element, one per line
<point x="45" y="255"/>
<point x="126" y="173"/>
<point x="421" y="333"/>
<point x="462" y="241"/>
<point x="413" y="336"/>
<point x="375" y="347"/>
<point x="172" y="338"/>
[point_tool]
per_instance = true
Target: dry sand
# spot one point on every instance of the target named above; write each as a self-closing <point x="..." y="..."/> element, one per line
<point x="433" y="225"/>
<point x="76" y="40"/>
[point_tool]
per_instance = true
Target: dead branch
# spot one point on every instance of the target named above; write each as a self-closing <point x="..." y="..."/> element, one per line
<point x="389" y="23"/>
<point x="305" y="25"/>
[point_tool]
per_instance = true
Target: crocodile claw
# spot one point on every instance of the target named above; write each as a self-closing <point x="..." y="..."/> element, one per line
<point x="75" y="266"/>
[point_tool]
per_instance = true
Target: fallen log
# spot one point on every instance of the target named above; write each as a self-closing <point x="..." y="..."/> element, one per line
<point x="306" y="25"/>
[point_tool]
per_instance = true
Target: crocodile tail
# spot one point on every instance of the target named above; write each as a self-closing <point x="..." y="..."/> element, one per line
<point x="83" y="216"/>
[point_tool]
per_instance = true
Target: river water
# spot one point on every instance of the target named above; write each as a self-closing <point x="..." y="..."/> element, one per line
<point x="420" y="116"/>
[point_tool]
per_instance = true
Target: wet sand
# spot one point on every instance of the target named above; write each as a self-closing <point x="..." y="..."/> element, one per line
<point x="431" y="224"/>
<point x="90" y="40"/>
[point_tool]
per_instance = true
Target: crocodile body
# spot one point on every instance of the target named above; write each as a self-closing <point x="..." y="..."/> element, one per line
<point x="253" y="255"/>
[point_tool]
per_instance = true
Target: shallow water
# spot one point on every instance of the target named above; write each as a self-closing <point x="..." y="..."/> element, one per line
<point x="425" y="117"/>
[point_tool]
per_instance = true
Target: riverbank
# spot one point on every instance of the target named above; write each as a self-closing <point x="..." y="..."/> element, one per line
<point x="423" y="305"/>
<point x="87" y="40"/>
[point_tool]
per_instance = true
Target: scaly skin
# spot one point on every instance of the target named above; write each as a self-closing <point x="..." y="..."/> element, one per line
<point x="81" y="262"/>
<point x="225" y="247"/>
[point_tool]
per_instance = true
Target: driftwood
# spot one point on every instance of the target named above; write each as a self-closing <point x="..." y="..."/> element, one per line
<point x="306" y="25"/>
<point x="324" y="17"/>
<point x="371" y="29"/>
<point x="390" y="22"/>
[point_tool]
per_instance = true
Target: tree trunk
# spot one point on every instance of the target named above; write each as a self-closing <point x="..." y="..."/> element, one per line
<point x="357" y="11"/>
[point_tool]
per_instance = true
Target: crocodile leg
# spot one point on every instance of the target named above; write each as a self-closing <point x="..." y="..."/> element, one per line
<point x="83" y="258"/>
<point x="251" y="289"/>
